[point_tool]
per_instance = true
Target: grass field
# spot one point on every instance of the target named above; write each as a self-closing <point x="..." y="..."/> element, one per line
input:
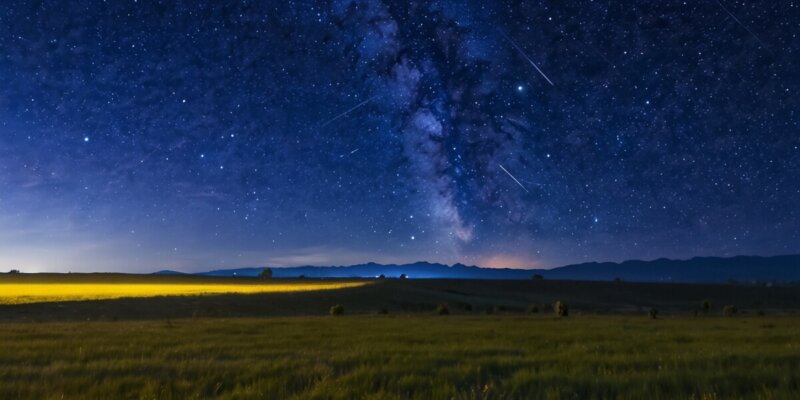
<point x="404" y="357"/>
<point x="280" y="343"/>
<point x="38" y="288"/>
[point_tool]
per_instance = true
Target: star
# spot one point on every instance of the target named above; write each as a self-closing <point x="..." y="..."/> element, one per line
<point x="680" y="132"/>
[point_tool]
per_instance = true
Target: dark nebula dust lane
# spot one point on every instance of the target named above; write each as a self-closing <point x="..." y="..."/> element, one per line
<point x="138" y="135"/>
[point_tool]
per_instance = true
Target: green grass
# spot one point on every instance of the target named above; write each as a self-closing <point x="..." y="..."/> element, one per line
<point x="404" y="356"/>
<point x="284" y="345"/>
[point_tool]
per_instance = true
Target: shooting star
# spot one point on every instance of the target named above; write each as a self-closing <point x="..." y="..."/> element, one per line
<point x="743" y="26"/>
<point x="522" y="53"/>
<point x="348" y="154"/>
<point x="512" y="177"/>
<point x="355" y="107"/>
<point x="601" y="55"/>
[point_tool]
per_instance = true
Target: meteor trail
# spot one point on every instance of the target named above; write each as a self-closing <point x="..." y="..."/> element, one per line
<point x="348" y="154"/>
<point x="743" y="26"/>
<point x="512" y="177"/>
<point x="355" y="107"/>
<point x="602" y="56"/>
<point x="521" y="52"/>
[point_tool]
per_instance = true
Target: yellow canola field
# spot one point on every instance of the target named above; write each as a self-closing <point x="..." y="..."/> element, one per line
<point x="21" y="293"/>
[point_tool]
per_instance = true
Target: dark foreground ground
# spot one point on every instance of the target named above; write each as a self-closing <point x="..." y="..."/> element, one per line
<point x="404" y="357"/>
<point x="413" y="296"/>
<point x="286" y="346"/>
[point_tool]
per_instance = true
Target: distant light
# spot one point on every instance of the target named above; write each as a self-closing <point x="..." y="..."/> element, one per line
<point x="85" y="138"/>
<point x="412" y="237"/>
<point x="520" y="88"/>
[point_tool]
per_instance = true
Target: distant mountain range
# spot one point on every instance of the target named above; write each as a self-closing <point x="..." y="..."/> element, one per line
<point x="695" y="270"/>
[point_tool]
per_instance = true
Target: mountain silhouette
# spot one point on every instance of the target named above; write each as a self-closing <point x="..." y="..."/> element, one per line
<point x="747" y="269"/>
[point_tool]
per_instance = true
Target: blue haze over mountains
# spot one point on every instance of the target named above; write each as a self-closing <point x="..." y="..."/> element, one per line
<point x="696" y="270"/>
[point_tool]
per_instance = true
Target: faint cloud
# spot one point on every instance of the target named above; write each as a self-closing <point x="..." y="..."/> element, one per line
<point x="319" y="255"/>
<point x="507" y="261"/>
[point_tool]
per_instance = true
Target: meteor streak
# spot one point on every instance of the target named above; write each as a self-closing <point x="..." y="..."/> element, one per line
<point x="355" y="107"/>
<point x="350" y="153"/>
<point x="522" y="53"/>
<point x="743" y="26"/>
<point x="512" y="177"/>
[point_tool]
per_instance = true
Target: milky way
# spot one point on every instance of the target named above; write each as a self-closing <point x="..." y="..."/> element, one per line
<point x="137" y="135"/>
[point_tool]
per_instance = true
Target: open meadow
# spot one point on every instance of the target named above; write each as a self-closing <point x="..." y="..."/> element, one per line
<point x="404" y="357"/>
<point x="391" y="342"/>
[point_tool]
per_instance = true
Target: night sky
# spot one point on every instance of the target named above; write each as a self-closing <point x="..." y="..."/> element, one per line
<point x="142" y="135"/>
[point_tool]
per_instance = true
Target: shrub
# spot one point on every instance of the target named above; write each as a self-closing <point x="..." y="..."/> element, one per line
<point x="442" y="309"/>
<point x="561" y="309"/>
<point x="653" y="313"/>
<point x="729" y="311"/>
<point x="266" y="273"/>
<point x="383" y="311"/>
<point x="337" y="310"/>
<point x="537" y="277"/>
<point x="381" y="276"/>
<point x="534" y="309"/>
<point x="489" y="310"/>
<point x="705" y="306"/>
<point x="403" y="276"/>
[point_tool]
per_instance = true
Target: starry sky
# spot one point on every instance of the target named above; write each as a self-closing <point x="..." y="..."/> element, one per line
<point x="142" y="135"/>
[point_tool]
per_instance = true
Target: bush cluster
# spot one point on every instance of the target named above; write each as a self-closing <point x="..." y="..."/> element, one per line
<point x="729" y="311"/>
<point x="561" y="309"/>
<point x="337" y="310"/>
